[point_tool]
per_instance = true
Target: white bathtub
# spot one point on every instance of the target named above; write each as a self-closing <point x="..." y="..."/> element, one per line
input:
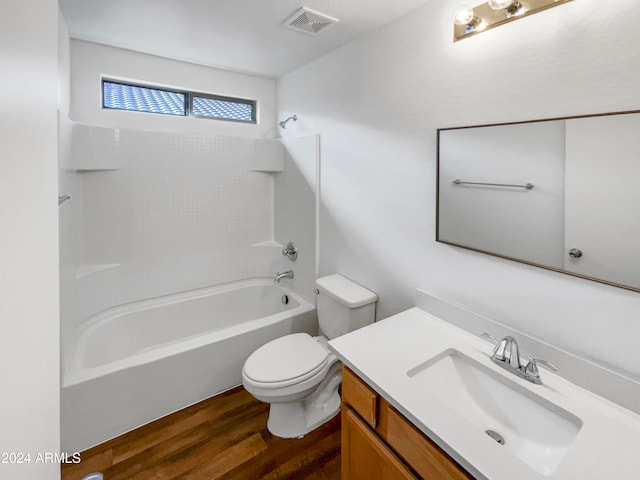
<point x="134" y="363"/>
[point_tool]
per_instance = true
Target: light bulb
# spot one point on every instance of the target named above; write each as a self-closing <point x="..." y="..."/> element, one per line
<point x="500" y="4"/>
<point x="512" y="7"/>
<point x="464" y="17"/>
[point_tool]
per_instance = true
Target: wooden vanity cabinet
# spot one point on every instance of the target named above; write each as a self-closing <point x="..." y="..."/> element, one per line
<point x="378" y="443"/>
<point x="365" y="455"/>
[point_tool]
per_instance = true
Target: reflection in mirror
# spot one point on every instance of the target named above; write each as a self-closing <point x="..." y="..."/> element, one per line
<point x="561" y="194"/>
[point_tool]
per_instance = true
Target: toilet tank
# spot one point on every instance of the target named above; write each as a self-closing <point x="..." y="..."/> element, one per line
<point x="343" y="305"/>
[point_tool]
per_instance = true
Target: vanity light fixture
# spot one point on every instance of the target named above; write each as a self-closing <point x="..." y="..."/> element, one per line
<point x="493" y="13"/>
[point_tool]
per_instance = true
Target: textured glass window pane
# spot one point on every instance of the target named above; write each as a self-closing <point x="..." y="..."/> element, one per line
<point x="223" y="109"/>
<point x="142" y="99"/>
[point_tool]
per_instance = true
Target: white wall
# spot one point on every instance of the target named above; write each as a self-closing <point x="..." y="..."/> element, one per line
<point x="90" y="61"/>
<point x="29" y="245"/>
<point x="377" y="103"/>
<point x="64" y="66"/>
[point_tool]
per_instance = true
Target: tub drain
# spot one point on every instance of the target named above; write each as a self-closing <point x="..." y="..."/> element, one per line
<point x="496" y="436"/>
<point x="285" y="299"/>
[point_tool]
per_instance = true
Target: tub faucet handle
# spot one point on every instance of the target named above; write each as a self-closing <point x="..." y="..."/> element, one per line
<point x="290" y="251"/>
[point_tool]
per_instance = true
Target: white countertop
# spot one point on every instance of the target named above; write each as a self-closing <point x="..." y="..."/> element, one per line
<point x="606" y="447"/>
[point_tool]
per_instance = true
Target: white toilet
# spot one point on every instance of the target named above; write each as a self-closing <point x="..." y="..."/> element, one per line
<point x="296" y="373"/>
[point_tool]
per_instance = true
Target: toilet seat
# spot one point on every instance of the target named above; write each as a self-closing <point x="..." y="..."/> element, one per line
<point x="285" y="361"/>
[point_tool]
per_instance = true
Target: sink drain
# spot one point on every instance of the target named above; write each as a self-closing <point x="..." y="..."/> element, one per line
<point x="496" y="436"/>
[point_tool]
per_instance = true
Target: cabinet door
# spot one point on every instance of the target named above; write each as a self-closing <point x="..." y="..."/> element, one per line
<point x="422" y="454"/>
<point x="365" y="456"/>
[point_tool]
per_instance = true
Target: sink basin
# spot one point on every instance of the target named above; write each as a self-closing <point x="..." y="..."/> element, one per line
<point x="525" y="425"/>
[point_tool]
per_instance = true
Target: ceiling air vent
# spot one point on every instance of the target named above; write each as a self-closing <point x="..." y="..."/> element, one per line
<point x="308" y="21"/>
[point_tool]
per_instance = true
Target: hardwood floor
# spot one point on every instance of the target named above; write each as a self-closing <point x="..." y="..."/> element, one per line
<point x="224" y="437"/>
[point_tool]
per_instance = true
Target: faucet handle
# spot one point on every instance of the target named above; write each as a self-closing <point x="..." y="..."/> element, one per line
<point x="290" y="251"/>
<point x="490" y="337"/>
<point x="498" y="346"/>
<point x="532" y="367"/>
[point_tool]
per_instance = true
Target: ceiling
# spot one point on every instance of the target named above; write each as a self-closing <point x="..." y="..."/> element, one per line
<point x="239" y="35"/>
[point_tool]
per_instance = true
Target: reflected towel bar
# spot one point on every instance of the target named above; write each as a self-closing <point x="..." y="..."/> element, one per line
<point x="528" y="186"/>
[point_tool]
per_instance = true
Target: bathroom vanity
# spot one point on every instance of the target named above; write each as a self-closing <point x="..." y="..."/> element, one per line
<point x="422" y="399"/>
<point x="379" y="442"/>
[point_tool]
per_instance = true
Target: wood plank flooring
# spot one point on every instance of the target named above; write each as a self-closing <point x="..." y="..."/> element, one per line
<point x="224" y="437"/>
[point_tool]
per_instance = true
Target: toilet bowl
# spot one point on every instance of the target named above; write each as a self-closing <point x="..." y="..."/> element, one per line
<point x="299" y="377"/>
<point x="297" y="374"/>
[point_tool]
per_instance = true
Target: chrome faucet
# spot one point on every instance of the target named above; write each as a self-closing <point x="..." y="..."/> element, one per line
<point x="506" y="354"/>
<point x="279" y="276"/>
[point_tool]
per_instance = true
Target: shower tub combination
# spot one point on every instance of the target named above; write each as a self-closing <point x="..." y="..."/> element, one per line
<point x="137" y="362"/>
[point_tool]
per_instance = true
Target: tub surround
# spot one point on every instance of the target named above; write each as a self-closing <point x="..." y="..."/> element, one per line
<point x="153" y="214"/>
<point x="608" y="435"/>
<point x="193" y="212"/>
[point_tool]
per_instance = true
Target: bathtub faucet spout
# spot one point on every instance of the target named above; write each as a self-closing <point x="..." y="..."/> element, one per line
<point x="279" y="276"/>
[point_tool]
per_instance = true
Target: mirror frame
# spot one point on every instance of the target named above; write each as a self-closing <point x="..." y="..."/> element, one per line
<point x="506" y="257"/>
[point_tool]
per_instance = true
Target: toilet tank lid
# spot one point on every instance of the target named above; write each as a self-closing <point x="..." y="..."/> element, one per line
<point x="345" y="291"/>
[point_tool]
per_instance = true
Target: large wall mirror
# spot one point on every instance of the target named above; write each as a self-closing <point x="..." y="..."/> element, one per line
<point x="562" y="194"/>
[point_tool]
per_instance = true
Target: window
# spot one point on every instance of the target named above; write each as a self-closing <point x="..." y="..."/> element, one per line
<point x="142" y="99"/>
<point x="145" y="98"/>
<point x="223" y="108"/>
